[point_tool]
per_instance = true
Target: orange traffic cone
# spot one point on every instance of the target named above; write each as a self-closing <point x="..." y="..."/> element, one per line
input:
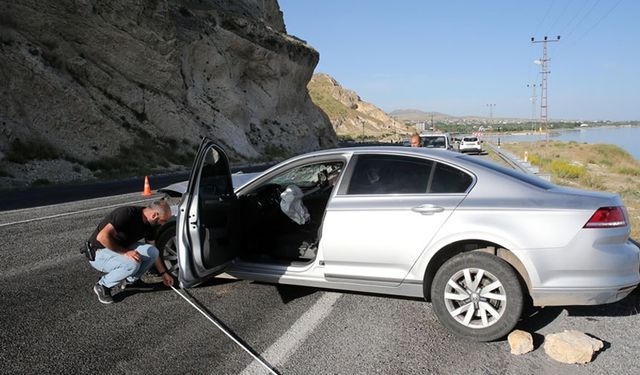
<point x="147" y="188"/>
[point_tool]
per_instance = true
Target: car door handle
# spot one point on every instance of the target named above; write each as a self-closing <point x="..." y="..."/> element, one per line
<point x="427" y="209"/>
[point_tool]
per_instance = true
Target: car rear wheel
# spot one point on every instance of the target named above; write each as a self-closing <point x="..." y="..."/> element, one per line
<point x="478" y="296"/>
<point x="167" y="245"/>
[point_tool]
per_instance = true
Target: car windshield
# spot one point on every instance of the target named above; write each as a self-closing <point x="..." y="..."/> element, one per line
<point x="531" y="180"/>
<point x="470" y="139"/>
<point x="433" y="142"/>
<point x="308" y="175"/>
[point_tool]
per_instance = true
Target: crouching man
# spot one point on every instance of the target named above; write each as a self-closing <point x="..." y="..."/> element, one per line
<point x="119" y="251"/>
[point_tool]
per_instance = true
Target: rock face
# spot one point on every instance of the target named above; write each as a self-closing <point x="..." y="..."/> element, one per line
<point x="94" y="82"/>
<point x="521" y="342"/>
<point x="348" y="113"/>
<point x="571" y="346"/>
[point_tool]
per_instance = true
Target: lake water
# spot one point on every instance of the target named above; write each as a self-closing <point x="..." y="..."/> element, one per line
<point x="626" y="137"/>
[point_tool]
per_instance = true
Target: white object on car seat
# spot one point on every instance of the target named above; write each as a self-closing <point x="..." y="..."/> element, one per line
<point x="291" y="205"/>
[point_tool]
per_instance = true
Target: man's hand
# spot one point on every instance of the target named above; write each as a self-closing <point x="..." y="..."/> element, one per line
<point x="133" y="255"/>
<point x="167" y="279"/>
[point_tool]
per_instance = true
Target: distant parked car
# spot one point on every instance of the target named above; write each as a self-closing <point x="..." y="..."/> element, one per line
<point x="474" y="238"/>
<point x="470" y="144"/>
<point x="441" y="140"/>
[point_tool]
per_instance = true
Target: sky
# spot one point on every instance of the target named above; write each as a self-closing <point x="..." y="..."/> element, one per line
<point x="456" y="57"/>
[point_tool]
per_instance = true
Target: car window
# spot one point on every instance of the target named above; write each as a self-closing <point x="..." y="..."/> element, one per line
<point x="471" y="139"/>
<point x="434" y="142"/>
<point x="531" y="180"/>
<point x="214" y="176"/>
<point x="390" y="174"/>
<point x="447" y="179"/>
<point x="308" y="175"/>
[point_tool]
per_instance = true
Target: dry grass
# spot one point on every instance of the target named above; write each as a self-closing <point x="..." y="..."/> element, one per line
<point x="599" y="167"/>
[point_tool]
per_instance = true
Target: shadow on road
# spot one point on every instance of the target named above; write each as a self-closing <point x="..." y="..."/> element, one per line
<point x="628" y="306"/>
<point x="540" y="317"/>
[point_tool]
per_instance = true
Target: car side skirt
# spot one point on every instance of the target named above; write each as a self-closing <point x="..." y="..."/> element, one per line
<point x="406" y="288"/>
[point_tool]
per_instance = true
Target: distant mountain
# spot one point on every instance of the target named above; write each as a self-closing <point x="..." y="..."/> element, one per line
<point x="416" y="115"/>
<point x="349" y="114"/>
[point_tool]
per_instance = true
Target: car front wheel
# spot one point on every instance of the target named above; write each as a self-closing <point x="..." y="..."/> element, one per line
<point x="478" y="296"/>
<point x="167" y="245"/>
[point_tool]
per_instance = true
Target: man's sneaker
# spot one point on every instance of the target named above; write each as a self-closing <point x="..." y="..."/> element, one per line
<point x="138" y="284"/>
<point x="103" y="293"/>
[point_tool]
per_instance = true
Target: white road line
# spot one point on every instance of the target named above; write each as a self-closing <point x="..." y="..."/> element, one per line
<point x="281" y="350"/>
<point x="74" y="212"/>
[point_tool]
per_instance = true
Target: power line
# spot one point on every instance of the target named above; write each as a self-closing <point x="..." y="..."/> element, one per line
<point x="575" y="16"/>
<point x="581" y="36"/>
<point x="560" y="15"/>
<point x="582" y="19"/>
<point x="573" y="42"/>
<point x="545" y="17"/>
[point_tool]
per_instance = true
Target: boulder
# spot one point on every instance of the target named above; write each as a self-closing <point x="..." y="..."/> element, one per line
<point x="571" y="346"/>
<point x="521" y="342"/>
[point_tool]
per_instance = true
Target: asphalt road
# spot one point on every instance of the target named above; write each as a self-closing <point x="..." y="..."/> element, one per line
<point x="51" y="321"/>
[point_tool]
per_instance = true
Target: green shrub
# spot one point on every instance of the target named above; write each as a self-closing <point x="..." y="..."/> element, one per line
<point x="630" y="193"/>
<point x="628" y="171"/>
<point x="562" y="169"/>
<point x="606" y="162"/>
<point x="534" y="159"/>
<point x="592" y="182"/>
<point x="610" y="150"/>
<point x="41" y="182"/>
<point x="32" y="149"/>
<point x="142" y="157"/>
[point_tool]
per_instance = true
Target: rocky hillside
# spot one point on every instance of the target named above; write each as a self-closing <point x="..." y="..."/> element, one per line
<point x="108" y="88"/>
<point x="348" y="113"/>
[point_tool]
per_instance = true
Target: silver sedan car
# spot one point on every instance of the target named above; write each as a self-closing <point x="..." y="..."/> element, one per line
<point x="477" y="240"/>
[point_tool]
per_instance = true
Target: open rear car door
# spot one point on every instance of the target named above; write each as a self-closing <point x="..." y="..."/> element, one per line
<point x="208" y="227"/>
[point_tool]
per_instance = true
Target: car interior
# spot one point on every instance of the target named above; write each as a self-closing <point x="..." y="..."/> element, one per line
<point x="269" y="234"/>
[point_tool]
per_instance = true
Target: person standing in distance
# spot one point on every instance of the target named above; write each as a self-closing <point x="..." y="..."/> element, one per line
<point x="120" y="251"/>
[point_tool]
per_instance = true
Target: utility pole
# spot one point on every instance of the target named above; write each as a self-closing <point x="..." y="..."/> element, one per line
<point x="533" y="104"/>
<point x="544" y="70"/>
<point x="491" y="113"/>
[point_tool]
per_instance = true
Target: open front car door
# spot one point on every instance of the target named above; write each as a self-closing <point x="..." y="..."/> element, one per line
<point x="207" y="218"/>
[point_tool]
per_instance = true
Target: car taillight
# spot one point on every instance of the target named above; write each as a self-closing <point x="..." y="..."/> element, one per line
<point x="607" y="217"/>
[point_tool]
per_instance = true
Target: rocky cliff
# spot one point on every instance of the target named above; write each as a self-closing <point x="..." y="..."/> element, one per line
<point x="350" y="115"/>
<point x="98" y="88"/>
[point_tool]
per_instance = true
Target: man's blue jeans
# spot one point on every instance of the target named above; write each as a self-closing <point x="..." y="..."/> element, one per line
<point x="119" y="267"/>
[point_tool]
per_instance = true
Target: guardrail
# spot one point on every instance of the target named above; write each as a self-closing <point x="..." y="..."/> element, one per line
<point x="518" y="163"/>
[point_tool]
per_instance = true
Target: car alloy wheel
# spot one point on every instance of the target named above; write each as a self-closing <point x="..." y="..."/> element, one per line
<point x="169" y="250"/>
<point x="477" y="295"/>
<point x="475" y="298"/>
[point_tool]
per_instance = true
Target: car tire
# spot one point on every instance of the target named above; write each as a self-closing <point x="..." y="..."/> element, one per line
<point x="478" y="296"/>
<point x="167" y="245"/>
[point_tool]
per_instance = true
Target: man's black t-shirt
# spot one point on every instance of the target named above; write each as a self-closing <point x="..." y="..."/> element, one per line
<point x="129" y="225"/>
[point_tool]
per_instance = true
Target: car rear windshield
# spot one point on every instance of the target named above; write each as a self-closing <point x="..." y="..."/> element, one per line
<point x="433" y="142"/>
<point x="470" y="139"/>
<point x="531" y="180"/>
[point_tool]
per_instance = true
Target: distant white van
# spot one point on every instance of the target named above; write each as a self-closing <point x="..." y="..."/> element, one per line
<point x="436" y="140"/>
